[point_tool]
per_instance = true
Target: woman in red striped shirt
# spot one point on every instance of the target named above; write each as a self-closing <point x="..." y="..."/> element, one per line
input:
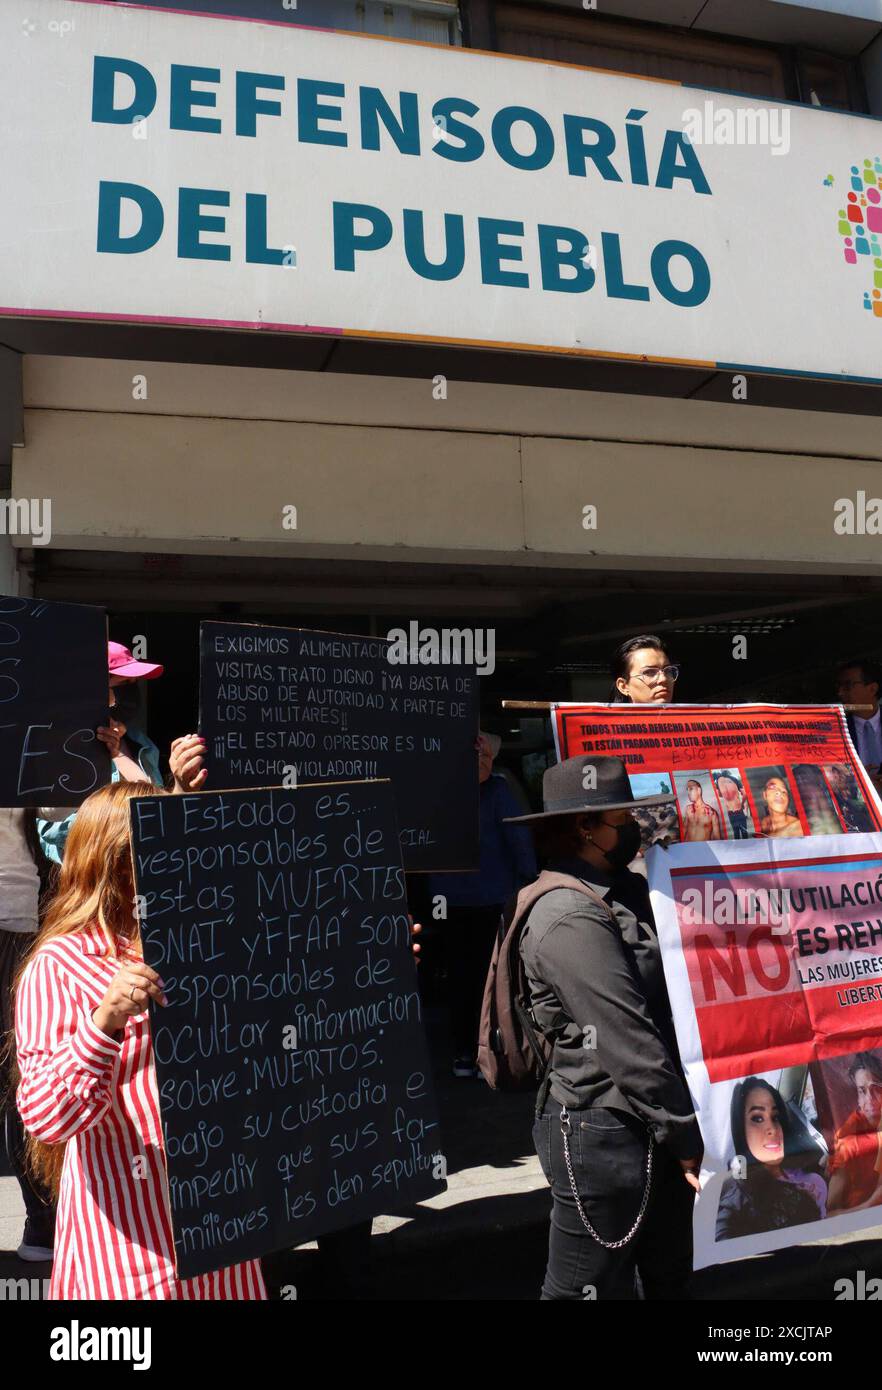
<point x="87" y="1094"/>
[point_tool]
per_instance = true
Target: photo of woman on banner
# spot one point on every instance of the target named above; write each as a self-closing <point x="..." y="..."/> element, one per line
<point x="820" y="809"/>
<point x="772" y="793"/>
<point x="730" y="789"/>
<point x="847" y="794"/>
<point x="852" y="1087"/>
<point x="776" y="1180"/>
<point x="698" y="807"/>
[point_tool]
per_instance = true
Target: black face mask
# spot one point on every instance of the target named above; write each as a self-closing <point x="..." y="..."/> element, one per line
<point x="626" y="847"/>
<point x="126" y="707"/>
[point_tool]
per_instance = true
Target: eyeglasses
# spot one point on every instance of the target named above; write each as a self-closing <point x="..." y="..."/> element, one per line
<point x="653" y="674"/>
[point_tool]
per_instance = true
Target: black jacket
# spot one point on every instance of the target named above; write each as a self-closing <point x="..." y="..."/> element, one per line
<point x="608" y="977"/>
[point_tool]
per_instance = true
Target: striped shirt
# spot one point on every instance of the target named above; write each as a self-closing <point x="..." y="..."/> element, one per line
<point x="98" y="1096"/>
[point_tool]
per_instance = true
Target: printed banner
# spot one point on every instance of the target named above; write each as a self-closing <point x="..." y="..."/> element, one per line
<point x="772" y="954"/>
<point x="739" y="772"/>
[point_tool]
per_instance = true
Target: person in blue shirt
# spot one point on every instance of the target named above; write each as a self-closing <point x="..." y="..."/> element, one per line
<point x="474" y="903"/>
<point x="135" y="757"/>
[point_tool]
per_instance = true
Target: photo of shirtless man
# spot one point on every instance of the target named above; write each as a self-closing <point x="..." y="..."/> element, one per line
<point x="700" y="821"/>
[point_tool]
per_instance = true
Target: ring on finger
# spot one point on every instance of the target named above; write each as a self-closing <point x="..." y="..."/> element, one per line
<point x="132" y="995"/>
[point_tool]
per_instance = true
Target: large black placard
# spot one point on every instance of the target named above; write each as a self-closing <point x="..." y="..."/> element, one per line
<point x="292" y="1067"/>
<point x="331" y="706"/>
<point x="53" y="696"/>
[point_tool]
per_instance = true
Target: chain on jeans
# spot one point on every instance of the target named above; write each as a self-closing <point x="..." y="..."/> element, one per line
<point x="566" y="1130"/>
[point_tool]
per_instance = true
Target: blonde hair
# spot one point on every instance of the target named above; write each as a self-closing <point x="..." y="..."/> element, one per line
<point x="95" y="888"/>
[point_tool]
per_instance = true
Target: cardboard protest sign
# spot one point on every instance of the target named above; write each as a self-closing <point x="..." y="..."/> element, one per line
<point x="293" y="1075"/>
<point x="283" y="705"/>
<point x="53" y="697"/>
<point x="739" y="772"/>
<point x="772" y="954"/>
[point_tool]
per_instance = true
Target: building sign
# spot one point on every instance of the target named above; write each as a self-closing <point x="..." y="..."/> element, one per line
<point x="165" y="167"/>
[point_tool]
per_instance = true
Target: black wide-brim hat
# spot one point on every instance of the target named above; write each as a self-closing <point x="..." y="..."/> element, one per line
<point x="568" y="789"/>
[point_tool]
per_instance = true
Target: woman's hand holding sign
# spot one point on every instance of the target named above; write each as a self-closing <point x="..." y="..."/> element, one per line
<point x="127" y="995"/>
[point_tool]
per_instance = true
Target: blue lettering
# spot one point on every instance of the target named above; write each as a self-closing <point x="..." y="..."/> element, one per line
<point x="501" y="131"/>
<point x="249" y="106"/>
<point x="347" y="242"/>
<point x="415" y="246"/>
<point x="552" y="258"/>
<point x="104" y="71"/>
<point x="192" y="222"/>
<point x="110" y="196"/>
<point x="183" y="99"/>
<point x="310" y="111"/>
<point x="494" y="252"/>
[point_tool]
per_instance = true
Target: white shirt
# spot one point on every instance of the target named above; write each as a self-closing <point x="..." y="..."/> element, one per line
<point x="19" y="880"/>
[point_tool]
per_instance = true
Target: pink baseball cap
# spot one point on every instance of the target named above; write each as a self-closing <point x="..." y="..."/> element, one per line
<point x="121" y="663"/>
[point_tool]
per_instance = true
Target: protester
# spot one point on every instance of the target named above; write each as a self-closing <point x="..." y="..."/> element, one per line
<point x="473" y="903"/>
<point x="135" y="757"/>
<point x="855" y="1167"/>
<point x="775" y="1185"/>
<point x="615" y="1130"/>
<point x="643" y="673"/>
<point x="87" y="1093"/>
<point x="859" y="682"/>
<point x="700" y="821"/>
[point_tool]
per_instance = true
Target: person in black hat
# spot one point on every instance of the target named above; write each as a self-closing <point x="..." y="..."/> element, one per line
<point x="615" y="1129"/>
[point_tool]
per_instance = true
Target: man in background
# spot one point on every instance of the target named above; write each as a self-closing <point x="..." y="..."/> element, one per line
<point x="858" y="682"/>
<point x="473" y="903"/>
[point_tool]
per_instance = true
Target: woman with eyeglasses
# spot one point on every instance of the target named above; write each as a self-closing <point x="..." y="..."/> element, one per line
<point x="643" y="673"/>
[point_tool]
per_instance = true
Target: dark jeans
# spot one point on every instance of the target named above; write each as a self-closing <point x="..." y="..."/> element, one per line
<point x="39" y="1206"/>
<point x="470" y="934"/>
<point x="608" y="1153"/>
<point x="739" y="825"/>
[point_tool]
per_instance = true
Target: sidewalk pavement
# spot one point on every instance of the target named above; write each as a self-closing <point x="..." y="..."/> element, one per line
<point x="485" y="1237"/>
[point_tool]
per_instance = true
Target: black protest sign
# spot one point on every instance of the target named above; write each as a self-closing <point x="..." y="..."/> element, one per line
<point x="293" y="1073"/>
<point x="53" y="697"/>
<point x="282" y="705"/>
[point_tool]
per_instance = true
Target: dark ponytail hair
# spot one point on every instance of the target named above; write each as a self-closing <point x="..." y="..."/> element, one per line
<point x="620" y="666"/>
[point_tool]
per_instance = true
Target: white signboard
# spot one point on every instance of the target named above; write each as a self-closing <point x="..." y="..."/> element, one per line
<point x="165" y="167"/>
<point x="772" y="953"/>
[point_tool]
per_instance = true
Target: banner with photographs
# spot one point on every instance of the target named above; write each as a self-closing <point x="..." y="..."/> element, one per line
<point x="772" y="954"/>
<point x="739" y="772"/>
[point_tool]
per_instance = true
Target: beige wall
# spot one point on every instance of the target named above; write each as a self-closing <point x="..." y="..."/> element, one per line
<point x="377" y="468"/>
